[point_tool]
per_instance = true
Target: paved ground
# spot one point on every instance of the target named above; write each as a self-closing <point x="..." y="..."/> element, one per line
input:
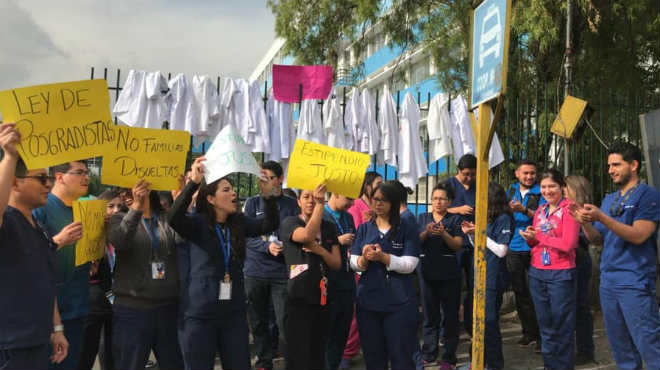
<point x="515" y="357"/>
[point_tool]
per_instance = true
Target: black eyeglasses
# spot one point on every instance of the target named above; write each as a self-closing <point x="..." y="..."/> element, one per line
<point x="43" y="178"/>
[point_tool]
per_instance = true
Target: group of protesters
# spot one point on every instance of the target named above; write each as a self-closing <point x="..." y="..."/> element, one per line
<point x="313" y="275"/>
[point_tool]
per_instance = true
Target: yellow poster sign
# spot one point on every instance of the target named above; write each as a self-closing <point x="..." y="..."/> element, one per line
<point x="158" y="156"/>
<point x="59" y="122"/>
<point x="341" y="170"/>
<point x="91" y="213"/>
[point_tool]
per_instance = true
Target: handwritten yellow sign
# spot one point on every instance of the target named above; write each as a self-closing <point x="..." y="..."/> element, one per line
<point x="341" y="170"/>
<point x="60" y="122"/>
<point x="91" y="213"/>
<point x="158" y="156"/>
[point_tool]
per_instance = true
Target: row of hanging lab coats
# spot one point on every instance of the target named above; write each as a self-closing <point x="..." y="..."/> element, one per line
<point x="195" y="106"/>
<point x="148" y="99"/>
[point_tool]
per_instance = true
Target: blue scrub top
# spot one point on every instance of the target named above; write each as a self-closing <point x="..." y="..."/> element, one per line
<point x="500" y="232"/>
<point x="379" y="289"/>
<point x="408" y="217"/>
<point x="624" y="263"/>
<point x="463" y="196"/>
<point x="521" y="220"/>
<point x="438" y="261"/>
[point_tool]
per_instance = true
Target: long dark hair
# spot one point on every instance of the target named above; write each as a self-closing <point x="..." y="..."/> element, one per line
<point x="392" y="194"/>
<point x="497" y="202"/>
<point x="206" y="210"/>
<point x="369" y="178"/>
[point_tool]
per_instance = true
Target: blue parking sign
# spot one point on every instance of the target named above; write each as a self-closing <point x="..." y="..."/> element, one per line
<point x="490" y="25"/>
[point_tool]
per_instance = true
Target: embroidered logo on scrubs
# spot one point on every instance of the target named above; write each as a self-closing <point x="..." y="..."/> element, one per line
<point x="397" y="245"/>
<point x="506" y="231"/>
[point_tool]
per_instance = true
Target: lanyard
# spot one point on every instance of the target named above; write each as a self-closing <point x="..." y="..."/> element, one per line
<point x="546" y="210"/>
<point x="226" y="246"/>
<point x="330" y="211"/>
<point x="152" y="232"/>
<point x="617" y="210"/>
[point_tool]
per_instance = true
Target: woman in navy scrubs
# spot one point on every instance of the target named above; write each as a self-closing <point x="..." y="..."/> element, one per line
<point x="441" y="237"/>
<point x="386" y="250"/>
<point x="311" y="248"/>
<point x="215" y="318"/>
<point x="498" y="237"/>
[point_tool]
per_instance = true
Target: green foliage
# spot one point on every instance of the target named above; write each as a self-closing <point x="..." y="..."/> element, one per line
<point x="609" y="37"/>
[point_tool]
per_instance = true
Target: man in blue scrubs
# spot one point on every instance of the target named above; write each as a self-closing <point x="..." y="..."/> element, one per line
<point x="71" y="181"/>
<point x="465" y="191"/>
<point x="524" y="197"/>
<point x="29" y="319"/>
<point x="627" y="223"/>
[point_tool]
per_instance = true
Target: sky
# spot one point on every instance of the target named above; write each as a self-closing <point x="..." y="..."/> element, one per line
<point x="45" y="41"/>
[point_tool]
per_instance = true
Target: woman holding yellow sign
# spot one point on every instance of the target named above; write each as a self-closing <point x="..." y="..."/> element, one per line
<point x="146" y="284"/>
<point x="215" y="319"/>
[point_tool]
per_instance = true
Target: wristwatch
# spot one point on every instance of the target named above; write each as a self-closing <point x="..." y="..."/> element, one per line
<point x="57" y="328"/>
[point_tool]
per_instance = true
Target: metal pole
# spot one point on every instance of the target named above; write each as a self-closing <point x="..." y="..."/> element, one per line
<point x="568" y="66"/>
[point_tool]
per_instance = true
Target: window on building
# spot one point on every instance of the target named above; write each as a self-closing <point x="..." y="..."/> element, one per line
<point x="420" y="71"/>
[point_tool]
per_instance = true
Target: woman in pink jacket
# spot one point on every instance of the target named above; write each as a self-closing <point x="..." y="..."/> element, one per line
<point x="553" y="238"/>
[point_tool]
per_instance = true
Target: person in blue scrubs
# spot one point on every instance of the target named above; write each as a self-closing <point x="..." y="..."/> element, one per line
<point x="578" y="189"/>
<point x="498" y="237"/>
<point x="440" y="281"/>
<point x="29" y="317"/>
<point x="524" y="198"/>
<point x="627" y="224"/>
<point x="341" y="282"/>
<point x="463" y="204"/>
<point x="386" y="251"/>
<point x="216" y="311"/>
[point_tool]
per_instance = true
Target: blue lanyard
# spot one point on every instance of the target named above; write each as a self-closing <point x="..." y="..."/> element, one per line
<point x="547" y="208"/>
<point x="226" y="246"/>
<point x="153" y="232"/>
<point x="330" y="211"/>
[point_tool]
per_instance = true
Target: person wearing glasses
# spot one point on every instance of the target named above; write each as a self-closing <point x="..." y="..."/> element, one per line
<point x="386" y="251"/>
<point x="553" y="238"/>
<point x="265" y="271"/>
<point x="627" y="224"/>
<point x="146" y="284"/>
<point x="440" y="278"/>
<point x="29" y="318"/>
<point x="71" y="183"/>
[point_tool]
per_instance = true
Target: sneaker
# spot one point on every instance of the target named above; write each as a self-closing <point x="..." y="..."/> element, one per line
<point x="584" y="359"/>
<point x="345" y="363"/>
<point x="537" y="347"/>
<point x="526" y="341"/>
<point x="446" y="366"/>
<point x="428" y="363"/>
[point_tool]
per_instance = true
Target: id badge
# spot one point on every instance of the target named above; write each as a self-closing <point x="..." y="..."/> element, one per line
<point x="158" y="270"/>
<point x="225" y="289"/>
<point x="545" y="257"/>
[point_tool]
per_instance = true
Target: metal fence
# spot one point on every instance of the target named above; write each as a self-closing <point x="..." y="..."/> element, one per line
<point x="524" y="132"/>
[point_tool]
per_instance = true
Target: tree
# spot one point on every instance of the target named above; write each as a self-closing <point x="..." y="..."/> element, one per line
<point x="609" y="37"/>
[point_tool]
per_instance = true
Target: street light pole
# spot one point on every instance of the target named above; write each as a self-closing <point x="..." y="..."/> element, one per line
<point x="568" y="66"/>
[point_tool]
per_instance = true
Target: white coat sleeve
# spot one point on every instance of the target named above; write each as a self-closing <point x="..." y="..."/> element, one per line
<point x="354" y="263"/>
<point x="403" y="264"/>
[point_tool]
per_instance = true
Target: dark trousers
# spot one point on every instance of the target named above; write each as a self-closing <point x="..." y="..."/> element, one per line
<point x="136" y="332"/>
<point x="227" y="336"/>
<point x="493" y="355"/>
<point x="465" y="259"/>
<point x="25" y="358"/>
<point x="260" y="292"/>
<point x="440" y="297"/>
<point x="632" y="323"/>
<point x="584" y="320"/>
<point x="306" y="328"/>
<point x="95" y="327"/>
<point x="341" y="314"/>
<point x="73" y="331"/>
<point x="518" y="266"/>
<point x="389" y="337"/>
<point x="555" y="304"/>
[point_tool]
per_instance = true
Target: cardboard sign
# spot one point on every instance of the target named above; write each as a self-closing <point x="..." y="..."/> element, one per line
<point x="158" y="156"/>
<point x="60" y="122"/>
<point x="92" y="215"/>
<point x="229" y="154"/>
<point x="566" y="123"/>
<point x="313" y="164"/>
